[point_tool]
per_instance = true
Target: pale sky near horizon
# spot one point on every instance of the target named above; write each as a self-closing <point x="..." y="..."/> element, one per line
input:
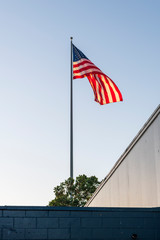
<point x="122" y="39"/>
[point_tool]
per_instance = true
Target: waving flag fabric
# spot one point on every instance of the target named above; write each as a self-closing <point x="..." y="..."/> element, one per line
<point x="105" y="90"/>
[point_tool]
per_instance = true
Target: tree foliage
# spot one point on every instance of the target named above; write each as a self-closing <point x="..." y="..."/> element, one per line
<point x="74" y="193"/>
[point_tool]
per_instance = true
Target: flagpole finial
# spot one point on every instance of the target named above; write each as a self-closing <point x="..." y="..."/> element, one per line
<point x="71" y="38"/>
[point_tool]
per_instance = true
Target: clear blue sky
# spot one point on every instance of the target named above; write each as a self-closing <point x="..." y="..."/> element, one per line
<point x="122" y="39"/>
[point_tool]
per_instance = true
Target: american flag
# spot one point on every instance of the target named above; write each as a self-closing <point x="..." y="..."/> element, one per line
<point x="105" y="90"/>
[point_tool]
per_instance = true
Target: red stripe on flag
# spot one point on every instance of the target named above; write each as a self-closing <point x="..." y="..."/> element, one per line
<point x="97" y="88"/>
<point x="92" y="82"/>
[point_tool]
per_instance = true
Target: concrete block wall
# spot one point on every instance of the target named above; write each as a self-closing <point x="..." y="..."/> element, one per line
<point x="57" y="223"/>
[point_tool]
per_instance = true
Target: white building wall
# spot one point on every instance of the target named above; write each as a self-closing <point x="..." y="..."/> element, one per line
<point x="136" y="181"/>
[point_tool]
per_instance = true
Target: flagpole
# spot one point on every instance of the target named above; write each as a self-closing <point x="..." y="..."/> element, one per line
<point x="71" y="116"/>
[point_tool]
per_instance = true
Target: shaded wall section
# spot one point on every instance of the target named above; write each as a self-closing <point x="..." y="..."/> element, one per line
<point x="79" y="223"/>
<point x="134" y="181"/>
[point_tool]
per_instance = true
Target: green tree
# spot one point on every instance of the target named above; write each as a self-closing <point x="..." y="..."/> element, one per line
<point x="74" y="193"/>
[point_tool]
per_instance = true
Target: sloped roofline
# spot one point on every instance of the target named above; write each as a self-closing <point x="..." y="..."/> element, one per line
<point x="128" y="149"/>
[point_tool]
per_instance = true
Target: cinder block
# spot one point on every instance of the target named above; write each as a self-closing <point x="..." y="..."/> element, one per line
<point x="25" y="223"/>
<point x="59" y="213"/>
<point x="69" y="222"/>
<point x="13" y="213"/>
<point x="103" y="233"/>
<point x="6" y="222"/>
<point x="13" y="234"/>
<point x="35" y="213"/>
<point x="157" y="220"/>
<point x="81" y="214"/>
<point x="132" y="222"/>
<point x="148" y="234"/>
<point x="125" y="234"/>
<point x="47" y="222"/>
<point x="101" y="214"/>
<point x="123" y="214"/>
<point x="36" y="234"/>
<point x="111" y="222"/>
<point x="151" y="223"/>
<point x="83" y="233"/>
<point x="106" y="214"/>
<point x="91" y="222"/>
<point x="133" y="214"/>
<point x="58" y="234"/>
<point x="157" y="233"/>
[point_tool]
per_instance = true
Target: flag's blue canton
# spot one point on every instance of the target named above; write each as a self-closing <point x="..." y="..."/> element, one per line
<point x="77" y="54"/>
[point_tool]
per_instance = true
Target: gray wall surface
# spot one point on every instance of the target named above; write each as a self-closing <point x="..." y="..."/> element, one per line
<point x="135" y="179"/>
<point x="79" y="223"/>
